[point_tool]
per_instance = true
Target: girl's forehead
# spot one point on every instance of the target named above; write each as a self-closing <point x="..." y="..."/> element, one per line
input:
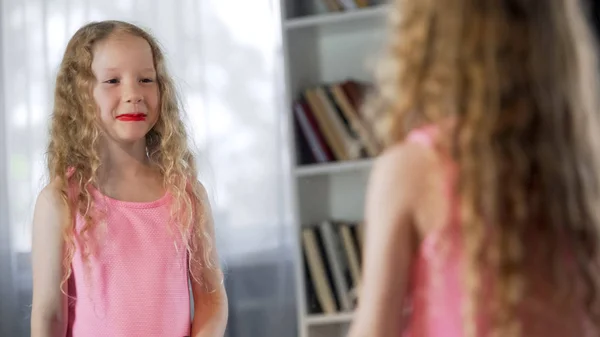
<point x="123" y="48"/>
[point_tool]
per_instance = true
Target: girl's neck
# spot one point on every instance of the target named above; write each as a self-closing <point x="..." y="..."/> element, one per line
<point x="124" y="161"/>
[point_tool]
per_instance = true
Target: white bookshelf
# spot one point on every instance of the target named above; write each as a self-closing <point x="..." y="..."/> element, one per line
<point x="324" y="19"/>
<point x="315" y="320"/>
<point x="325" y="48"/>
<point x="332" y="168"/>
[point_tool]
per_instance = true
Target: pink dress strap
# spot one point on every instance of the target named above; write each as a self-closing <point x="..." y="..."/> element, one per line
<point x="426" y="135"/>
<point x="435" y="286"/>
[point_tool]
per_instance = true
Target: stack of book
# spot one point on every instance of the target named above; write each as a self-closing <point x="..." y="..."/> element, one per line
<point x="330" y="125"/>
<point x="332" y="266"/>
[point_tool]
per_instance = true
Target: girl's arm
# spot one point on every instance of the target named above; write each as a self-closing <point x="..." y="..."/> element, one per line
<point x="210" y="311"/>
<point x="210" y="305"/>
<point x="392" y="194"/>
<point x="49" y="314"/>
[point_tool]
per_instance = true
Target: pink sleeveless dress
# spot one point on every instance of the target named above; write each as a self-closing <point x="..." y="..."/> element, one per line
<point x="436" y="289"/>
<point x="136" y="281"/>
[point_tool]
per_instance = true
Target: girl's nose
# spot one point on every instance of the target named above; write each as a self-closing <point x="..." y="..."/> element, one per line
<point x="134" y="99"/>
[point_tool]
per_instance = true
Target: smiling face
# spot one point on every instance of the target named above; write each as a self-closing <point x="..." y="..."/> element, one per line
<point x="125" y="92"/>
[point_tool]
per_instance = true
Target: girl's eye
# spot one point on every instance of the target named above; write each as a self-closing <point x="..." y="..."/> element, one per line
<point x="112" y="81"/>
<point x="147" y="80"/>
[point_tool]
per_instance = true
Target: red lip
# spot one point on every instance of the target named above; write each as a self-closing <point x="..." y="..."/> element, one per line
<point x="134" y="117"/>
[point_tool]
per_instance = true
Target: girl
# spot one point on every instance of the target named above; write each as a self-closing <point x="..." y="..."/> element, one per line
<point x="124" y="223"/>
<point x="483" y="212"/>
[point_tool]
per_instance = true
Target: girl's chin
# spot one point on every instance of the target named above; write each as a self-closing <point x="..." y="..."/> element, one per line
<point x="129" y="138"/>
<point x="132" y="133"/>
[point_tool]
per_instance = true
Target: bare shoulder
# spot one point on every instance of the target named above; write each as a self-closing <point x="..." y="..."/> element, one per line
<point x="50" y="203"/>
<point x="52" y="190"/>
<point x="199" y="190"/>
<point x="202" y="191"/>
<point x="401" y="170"/>
<point x="205" y="210"/>
<point x="407" y="156"/>
<point x="51" y="193"/>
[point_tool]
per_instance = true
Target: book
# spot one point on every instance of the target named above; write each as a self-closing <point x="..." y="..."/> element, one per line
<point x="328" y="267"/>
<point x="304" y="154"/>
<point x="334" y="139"/>
<point x="341" y="115"/>
<point x="350" y="144"/>
<point x="333" y="5"/>
<point x="332" y="125"/>
<point x="362" y="3"/>
<point x="312" y="301"/>
<point x="318" y="271"/>
<point x="337" y="262"/>
<point x="357" y="232"/>
<point x="352" y="254"/>
<point x="311" y="132"/>
<point x="355" y="123"/>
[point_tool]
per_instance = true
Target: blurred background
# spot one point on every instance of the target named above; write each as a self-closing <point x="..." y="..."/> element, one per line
<point x="272" y="90"/>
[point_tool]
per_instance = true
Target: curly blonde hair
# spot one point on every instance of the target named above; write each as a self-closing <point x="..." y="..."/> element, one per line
<point x="517" y="80"/>
<point x="73" y="158"/>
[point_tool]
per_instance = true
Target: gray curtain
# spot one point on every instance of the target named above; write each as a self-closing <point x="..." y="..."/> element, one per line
<point x="225" y="56"/>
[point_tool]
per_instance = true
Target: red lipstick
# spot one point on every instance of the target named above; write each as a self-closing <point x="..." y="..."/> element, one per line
<point x="133" y="117"/>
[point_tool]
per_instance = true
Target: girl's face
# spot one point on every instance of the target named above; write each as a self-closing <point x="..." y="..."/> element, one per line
<point x="125" y="91"/>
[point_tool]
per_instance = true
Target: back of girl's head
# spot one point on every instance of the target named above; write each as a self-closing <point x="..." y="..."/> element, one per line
<point x="73" y="156"/>
<point x="516" y="82"/>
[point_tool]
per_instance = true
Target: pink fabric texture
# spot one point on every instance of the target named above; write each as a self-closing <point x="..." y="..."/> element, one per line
<point x="435" y="288"/>
<point x="135" y="282"/>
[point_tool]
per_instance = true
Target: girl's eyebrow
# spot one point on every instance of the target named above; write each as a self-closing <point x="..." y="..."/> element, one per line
<point x="149" y="69"/>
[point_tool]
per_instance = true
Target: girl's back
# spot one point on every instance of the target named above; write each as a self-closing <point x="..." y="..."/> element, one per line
<point x="482" y="214"/>
<point x="435" y="285"/>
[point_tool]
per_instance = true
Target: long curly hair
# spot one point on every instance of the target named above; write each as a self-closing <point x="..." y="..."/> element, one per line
<point x="512" y="84"/>
<point x="73" y="157"/>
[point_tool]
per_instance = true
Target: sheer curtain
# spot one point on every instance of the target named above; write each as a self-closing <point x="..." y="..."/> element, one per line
<point x="225" y="56"/>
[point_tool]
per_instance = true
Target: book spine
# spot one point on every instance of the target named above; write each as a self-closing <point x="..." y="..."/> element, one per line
<point x="335" y="260"/>
<point x="309" y="133"/>
<point x="318" y="271"/>
<point x="323" y="119"/>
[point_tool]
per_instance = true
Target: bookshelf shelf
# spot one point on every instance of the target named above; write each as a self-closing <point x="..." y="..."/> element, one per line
<point x="339" y="17"/>
<point x="343" y="317"/>
<point x="328" y="67"/>
<point x="333" y="168"/>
